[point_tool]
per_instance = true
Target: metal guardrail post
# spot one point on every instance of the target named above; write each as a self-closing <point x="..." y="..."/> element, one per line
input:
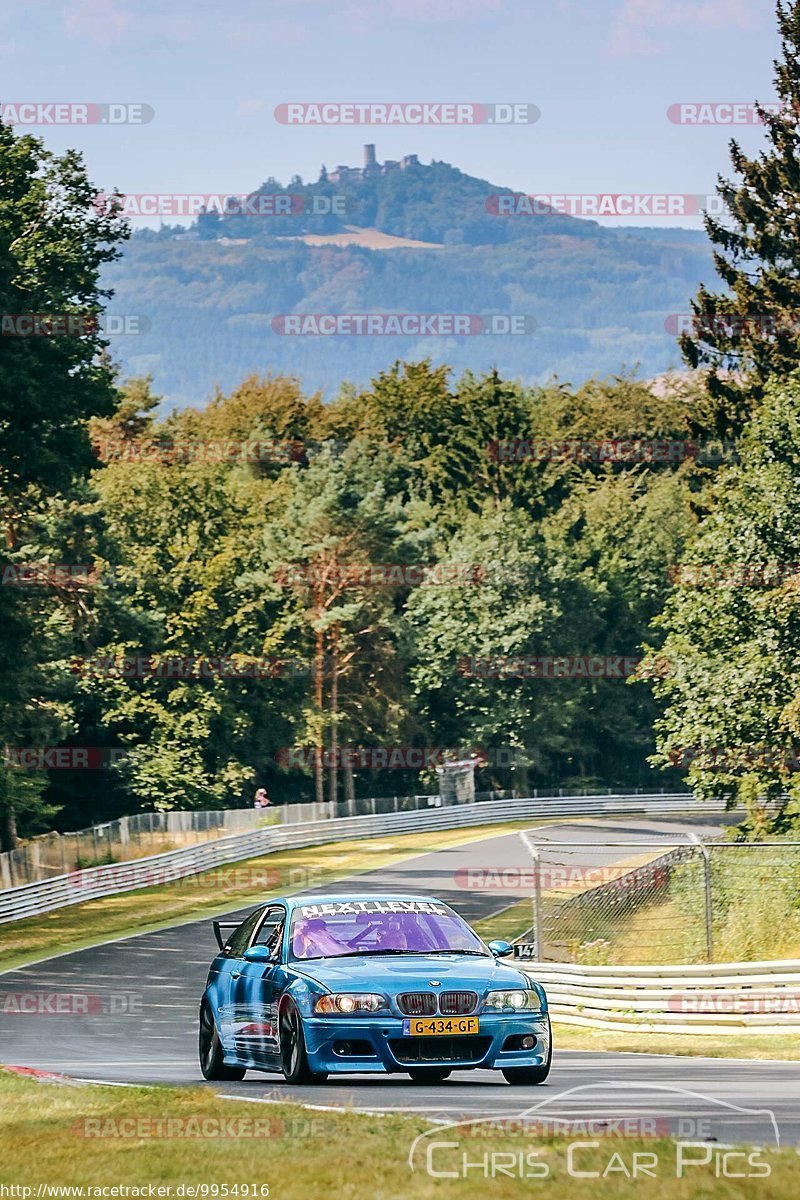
<point x="536" y="898"/>
<point x="707" y="883"/>
<point x="537" y="905"/>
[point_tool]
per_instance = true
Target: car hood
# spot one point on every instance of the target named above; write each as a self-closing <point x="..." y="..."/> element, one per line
<point x="399" y="973"/>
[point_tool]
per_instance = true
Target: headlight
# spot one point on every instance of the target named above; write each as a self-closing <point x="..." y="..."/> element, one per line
<point x="344" y="1003"/>
<point x="515" y="1000"/>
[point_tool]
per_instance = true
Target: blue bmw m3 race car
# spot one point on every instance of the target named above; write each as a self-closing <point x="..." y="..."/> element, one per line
<point x="315" y="985"/>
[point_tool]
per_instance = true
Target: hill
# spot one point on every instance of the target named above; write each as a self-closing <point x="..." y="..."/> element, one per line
<point x="595" y="298"/>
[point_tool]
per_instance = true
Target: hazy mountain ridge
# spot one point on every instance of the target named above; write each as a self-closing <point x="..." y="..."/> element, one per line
<point x="599" y="295"/>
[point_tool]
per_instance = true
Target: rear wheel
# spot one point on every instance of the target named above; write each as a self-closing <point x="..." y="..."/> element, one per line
<point x="429" y="1074"/>
<point x="532" y="1075"/>
<point x="210" y="1048"/>
<point x="294" y="1060"/>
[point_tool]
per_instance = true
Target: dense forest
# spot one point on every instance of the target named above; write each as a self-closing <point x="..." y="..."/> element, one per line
<point x="404" y="545"/>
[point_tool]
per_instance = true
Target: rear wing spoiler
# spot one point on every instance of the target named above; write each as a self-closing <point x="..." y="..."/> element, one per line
<point x="220" y="925"/>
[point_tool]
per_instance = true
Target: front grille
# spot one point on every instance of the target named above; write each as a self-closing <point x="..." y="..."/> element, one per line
<point x="457" y="1004"/>
<point x="417" y="1004"/>
<point x="439" y="1049"/>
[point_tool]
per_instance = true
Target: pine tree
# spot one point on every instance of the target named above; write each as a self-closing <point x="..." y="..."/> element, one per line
<point x="753" y="333"/>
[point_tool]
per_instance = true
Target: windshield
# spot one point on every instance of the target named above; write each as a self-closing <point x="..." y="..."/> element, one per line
<point x="380" y="927"/>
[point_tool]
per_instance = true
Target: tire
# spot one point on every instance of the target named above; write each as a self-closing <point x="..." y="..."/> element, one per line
<point x="429" y="1074"/>
<point x="531" y="1075"/>
<point x="210" y="1049"/>
<point x="294" y="1060"/>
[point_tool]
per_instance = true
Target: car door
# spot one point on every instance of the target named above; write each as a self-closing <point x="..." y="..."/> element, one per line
<point x="229" y="966"/>
<point x="258" y="991"/>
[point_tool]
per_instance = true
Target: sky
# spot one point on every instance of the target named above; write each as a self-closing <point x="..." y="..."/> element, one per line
<point x="602" y="72"/>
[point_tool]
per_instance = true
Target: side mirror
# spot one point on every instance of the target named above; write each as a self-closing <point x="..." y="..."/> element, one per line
<point x="501" y="949"/>
<point x="258" y="954"/>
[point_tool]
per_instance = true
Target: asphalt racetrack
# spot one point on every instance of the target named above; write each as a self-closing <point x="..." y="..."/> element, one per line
<point x="140" y="1023"/>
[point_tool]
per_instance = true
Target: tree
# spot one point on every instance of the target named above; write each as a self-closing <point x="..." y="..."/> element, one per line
<point x="727" y="670"/>
<point x="338" y="518"/>
<point x="54" y="239"/>
<point x="751" y="333"/>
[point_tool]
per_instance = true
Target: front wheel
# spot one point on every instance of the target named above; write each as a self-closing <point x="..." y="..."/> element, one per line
<point x="532" y="1075"/>
<point x="429" y="1074"/>
<point x="212" y="1063"/>
<point x="294" y="1060"/>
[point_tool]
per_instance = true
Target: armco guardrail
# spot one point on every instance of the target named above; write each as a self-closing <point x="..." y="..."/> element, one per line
<point x="742" y="998"/>
<point x="143" y="834"/>
<point x="94" y="882"/>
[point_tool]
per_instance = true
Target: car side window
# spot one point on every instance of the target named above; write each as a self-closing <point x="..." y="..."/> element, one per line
<point x="239" y="940"/>
<point x="271" y="931"/>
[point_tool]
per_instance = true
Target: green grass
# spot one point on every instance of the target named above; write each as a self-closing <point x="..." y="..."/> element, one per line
<point x="300" y="1153"/>
<point x="221" y="890"/>
<point x="758" y="1047"/>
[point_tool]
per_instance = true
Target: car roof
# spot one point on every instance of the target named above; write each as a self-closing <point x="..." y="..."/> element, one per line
<point x="350" y="897"/>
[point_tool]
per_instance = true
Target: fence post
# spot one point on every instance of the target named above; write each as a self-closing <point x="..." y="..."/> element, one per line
<point x="707" y="881"/>
<point x="533" y="850"/>
<point x="537" y="905"/>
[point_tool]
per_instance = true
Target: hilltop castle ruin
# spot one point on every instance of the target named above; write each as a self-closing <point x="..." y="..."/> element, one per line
<point x="343" y="174"/>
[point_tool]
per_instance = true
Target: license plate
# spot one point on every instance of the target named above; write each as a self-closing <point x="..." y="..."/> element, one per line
<point x="438" y="1026"/>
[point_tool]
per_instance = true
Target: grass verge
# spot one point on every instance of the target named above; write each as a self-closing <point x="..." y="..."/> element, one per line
<point x="96" y="1137"/>
<point x="759" y="1047"/>
<point x="220" y="890"/>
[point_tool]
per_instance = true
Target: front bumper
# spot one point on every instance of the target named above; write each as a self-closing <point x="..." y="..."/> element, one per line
<point x="376" y="1044"/>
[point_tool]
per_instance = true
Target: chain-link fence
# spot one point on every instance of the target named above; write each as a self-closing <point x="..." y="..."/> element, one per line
<point x="53" y="854"/>
<point x="637" y="902"/>
<point x="132" y="837"/>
